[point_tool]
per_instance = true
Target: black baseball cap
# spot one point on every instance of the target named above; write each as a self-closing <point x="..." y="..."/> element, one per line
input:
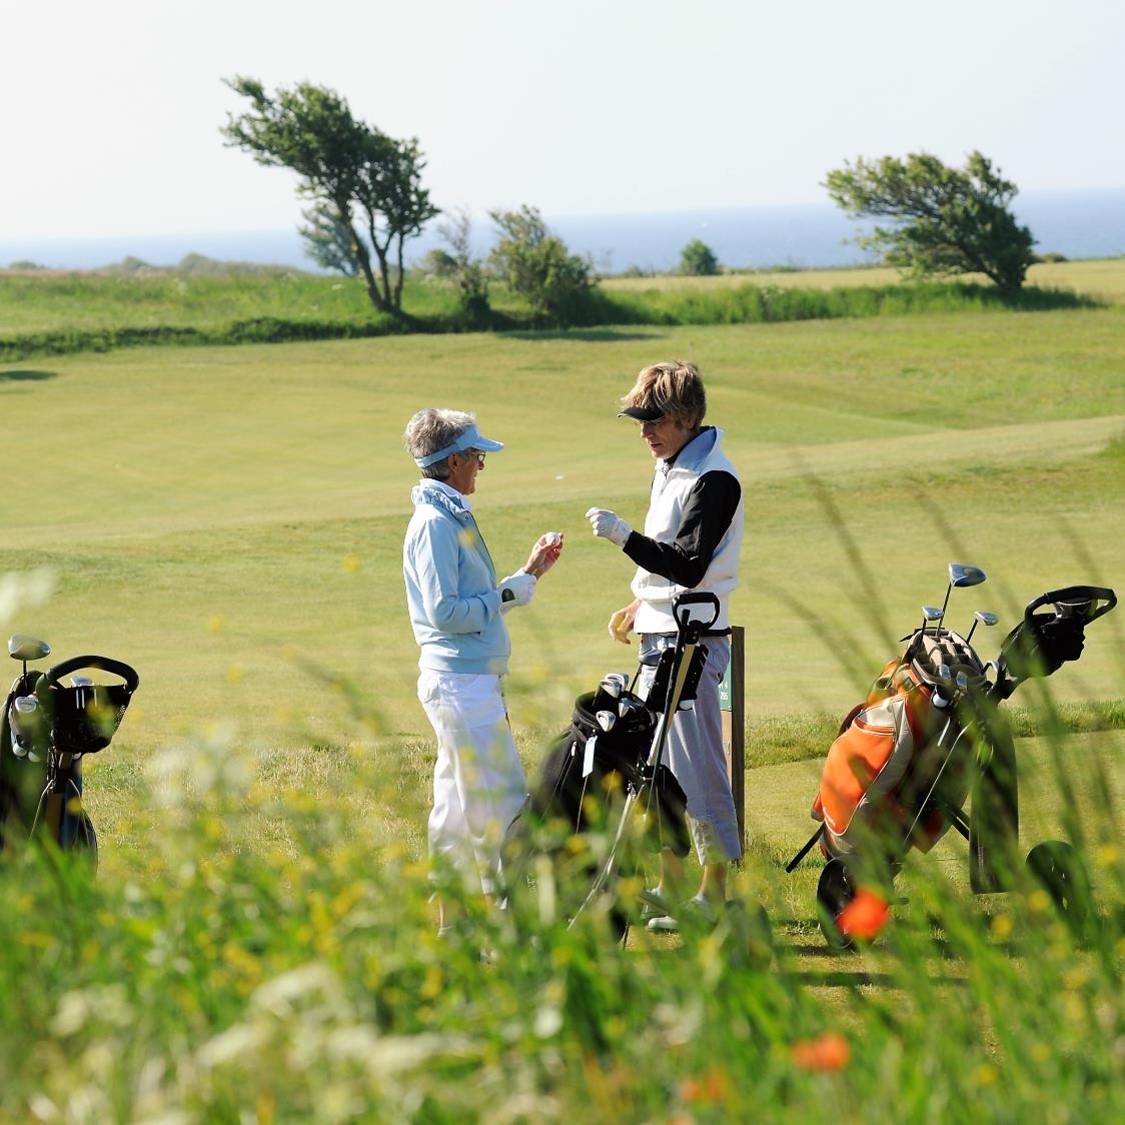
<point x="642" y="413"/>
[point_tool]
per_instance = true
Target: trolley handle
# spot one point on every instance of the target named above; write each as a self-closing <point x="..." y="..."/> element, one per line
<point x="681" y="611"/>
<point x="104" y="663"/>
<point x="1081" y="603"/>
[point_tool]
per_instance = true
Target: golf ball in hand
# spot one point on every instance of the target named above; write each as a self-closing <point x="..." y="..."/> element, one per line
<point x="552" y="538"/>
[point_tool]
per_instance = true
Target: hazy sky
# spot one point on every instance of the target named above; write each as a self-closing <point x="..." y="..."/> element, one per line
<point x="110" y="111"/>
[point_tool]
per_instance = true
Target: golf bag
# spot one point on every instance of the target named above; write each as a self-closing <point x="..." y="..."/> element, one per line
<point x="931" y="738"/>
<point x="587" y="765"/>
<point x="885" y="757"/>
<point x="604" y="797"/>
<point x="46" y="728"/>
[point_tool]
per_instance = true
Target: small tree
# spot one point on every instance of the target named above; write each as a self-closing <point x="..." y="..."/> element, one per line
<point x="697" y="259"/>
<point x="347" y="167"/>
<point x="467" y="271"/>
<point x="537" y="265"/>
<point x="440" y="264"/>
<point x="949" y="220"/>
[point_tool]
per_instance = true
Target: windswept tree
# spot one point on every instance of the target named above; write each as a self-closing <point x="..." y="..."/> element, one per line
<point x="537" y="264"/>
<point x="327" y="240"/>
<point x="947" y="220"/>
<point x="353" y="172"/>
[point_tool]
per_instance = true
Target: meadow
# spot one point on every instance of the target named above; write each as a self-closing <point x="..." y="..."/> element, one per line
<point x="1103" y="278"/>
<point x="258" y="945"/>
<point x="203" y="302"/>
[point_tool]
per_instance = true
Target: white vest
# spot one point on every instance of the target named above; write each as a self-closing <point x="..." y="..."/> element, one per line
<point x="670" y="490"/>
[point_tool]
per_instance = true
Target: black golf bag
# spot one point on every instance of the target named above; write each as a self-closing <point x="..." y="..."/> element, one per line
<point x="604" y="799"/>
<point x="587" y="766"/>
<point x="46" y="728"/>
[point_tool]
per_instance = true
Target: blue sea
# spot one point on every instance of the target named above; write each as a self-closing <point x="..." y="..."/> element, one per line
<point x="1077" y="224"/>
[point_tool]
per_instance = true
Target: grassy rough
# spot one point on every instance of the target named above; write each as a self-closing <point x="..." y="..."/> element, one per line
<point x="64" y="314"/>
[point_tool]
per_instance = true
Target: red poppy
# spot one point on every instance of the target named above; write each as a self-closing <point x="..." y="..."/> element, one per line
<point x="712" y="1087"/>
<point x="864" y="916"/>
<point x="829" y="1051"/>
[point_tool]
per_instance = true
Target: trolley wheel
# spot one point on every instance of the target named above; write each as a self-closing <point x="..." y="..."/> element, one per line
<point x="834" y="891"/>
<point x="83" y="840"/>
<point x="1056" y="866"/>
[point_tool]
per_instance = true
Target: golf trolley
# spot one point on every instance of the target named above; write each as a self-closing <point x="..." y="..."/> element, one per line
<point x="929" y="737"/>
<point x="604" y="796"/>
<point x="46" y="728"/>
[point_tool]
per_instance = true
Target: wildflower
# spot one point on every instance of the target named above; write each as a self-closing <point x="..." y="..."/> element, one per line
<point x="864" y="916"/>
<point x="829" y="1051"/>
<point x="985" y="1074"/>
<point x="712" y="1087"/>
<point x="1002" y="926"/>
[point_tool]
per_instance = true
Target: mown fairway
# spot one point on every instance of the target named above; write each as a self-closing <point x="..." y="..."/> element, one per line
<point x="230" y="521"/>
<point x="214" y="513"/>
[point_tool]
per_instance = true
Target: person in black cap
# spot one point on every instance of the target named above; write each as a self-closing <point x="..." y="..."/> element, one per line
<point x="691" y="541"/>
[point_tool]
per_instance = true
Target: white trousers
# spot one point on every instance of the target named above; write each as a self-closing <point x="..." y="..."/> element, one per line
<point x="693" y="751"/>
<point x="479" y="783"/>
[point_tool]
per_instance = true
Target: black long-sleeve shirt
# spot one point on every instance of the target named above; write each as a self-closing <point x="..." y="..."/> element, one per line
<point x="707" y="514"/>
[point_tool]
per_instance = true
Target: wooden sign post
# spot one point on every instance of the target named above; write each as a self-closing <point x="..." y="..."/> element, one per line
<point x="732" y="698"/>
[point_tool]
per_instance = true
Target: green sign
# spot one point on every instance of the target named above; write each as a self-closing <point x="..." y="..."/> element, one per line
<point x="724" y="690"/>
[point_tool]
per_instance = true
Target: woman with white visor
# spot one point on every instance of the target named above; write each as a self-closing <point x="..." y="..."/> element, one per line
<point x="457" y="608"/>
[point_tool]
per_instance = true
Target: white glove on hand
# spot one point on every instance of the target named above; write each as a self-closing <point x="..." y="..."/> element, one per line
<point x="609" y="525"/>
<point x="517" y="589"/>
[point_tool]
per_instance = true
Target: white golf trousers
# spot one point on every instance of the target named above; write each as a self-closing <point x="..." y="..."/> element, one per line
<point x="694" y="751"/>
<point x="479" y="783"/>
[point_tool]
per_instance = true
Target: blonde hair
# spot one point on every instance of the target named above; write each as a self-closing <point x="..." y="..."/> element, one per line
<point x="675" y="389"/>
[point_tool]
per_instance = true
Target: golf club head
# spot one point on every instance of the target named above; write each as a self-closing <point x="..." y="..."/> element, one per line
<point x="931" y="613"/>
<point x="606" y="720"/>
<point x="22" y="647"/>
<point x="628" y="704"/>
<point x="965" y="574"/>
<point x="981" y="617"/>
<point x="615" y="683"/>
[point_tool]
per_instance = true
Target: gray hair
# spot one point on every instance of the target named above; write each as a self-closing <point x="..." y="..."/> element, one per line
<point x="433" y="429"/>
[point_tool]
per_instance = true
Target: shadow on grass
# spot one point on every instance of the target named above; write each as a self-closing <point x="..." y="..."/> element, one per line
<point x="26" y="375"/>
<point x="587" y="335"/>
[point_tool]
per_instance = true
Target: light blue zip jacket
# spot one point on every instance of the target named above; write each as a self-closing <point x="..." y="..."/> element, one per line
<point x="451" y="588"/>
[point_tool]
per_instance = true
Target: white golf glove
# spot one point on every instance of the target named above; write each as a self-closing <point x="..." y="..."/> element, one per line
<point x="609" y="525"/>
<point x="517" y="589"/>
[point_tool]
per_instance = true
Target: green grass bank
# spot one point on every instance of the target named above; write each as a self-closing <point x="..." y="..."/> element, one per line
<point x="44" y="314"/>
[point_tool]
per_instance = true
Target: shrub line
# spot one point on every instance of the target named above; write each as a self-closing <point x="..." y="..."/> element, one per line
<point x="744" y="304"/>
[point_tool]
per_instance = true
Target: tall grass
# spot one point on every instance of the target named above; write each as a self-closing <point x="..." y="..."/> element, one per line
<point x="271" y="955"/>
<point x="67" y="314"/>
